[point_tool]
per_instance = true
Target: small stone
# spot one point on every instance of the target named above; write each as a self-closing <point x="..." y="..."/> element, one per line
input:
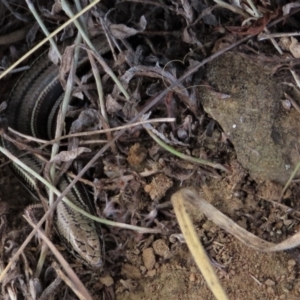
<point x="137" y="154"/>
<point x="130" y="271"/>
<point x="151" y="273"/>
<point x="129" y="284"/>
<point x="207" y="225"/>
<point x="143" y="269"/>
<point x="278" y="225"/>
<point x="269" y="282"/>
<point x="211" y="146"/>
<point x="259" y="136"/>
<point x="270" y="290"/>
<point x="287" y="194"/>
<point x="148" y="258"/>
<point x="107" y="280"/>
<point x="216" y="135"/>
<point x="148" y="188"/>
<point x="291" y="262"/>
<point x="192" y="277"/>
<point x="182" y="134"/>
<point x="158" y="187"/>
<point x="286" y="104"/>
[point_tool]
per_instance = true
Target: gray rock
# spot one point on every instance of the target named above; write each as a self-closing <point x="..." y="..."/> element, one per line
<point x="266" y="137"/>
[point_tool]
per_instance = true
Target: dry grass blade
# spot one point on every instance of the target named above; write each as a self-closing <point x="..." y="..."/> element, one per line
<point x="105" y="66"/>
<point x="182" y="155"/>
<point x="196" y="247"/>
<point x="42" y="26"/>
<point x="232" y="8"/>
<point x="231" y="227"/>
<point x="290" y="180"/>
<point x="87" y="133"/>
<point x="55" y="32"/>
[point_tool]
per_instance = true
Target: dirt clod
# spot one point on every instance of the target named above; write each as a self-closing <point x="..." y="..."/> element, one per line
<point x="137" y="154"/>
<point x="149" y="258"/>
<point x="160" y="248"/>
<point x="130" y="271"/>
<point x="269" y="282"/>
<point x="158" y="186"/>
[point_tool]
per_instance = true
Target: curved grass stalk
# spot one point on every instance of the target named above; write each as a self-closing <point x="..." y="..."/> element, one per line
<point x="184" y="156"/>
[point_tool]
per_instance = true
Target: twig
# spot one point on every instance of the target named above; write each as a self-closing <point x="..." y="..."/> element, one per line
<point x="263" y="36"/>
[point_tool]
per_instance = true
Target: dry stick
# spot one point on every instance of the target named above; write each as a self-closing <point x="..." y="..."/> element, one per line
<point x="264" y="36"/>
<point x="155" y="101"/>
<point x="275" y="44"/>
<point x="47" y="143"/>
<point x="233" y="8"/>
<point x="87" y="133"/>
<point x="77" y="287"/>
<point x="63" y="277"/>
<point x="101" y="104"/>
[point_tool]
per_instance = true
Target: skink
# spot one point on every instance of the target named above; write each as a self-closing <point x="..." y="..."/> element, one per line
<point x="32" y="107"/>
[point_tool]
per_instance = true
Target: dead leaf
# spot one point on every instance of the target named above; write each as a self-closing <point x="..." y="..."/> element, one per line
<point x="121" y="31"/>
<point x="66" y="62"/>
<point x="56" y="7"/>
<point x="87" y="119"/>
<point x="112" y="105"/>
<point x="188" y="11"/>
<point x="205" y="13"/>
<point x="286" y="8"/>
<point x="65" y="156"/>
<point x="189" y="37"/>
